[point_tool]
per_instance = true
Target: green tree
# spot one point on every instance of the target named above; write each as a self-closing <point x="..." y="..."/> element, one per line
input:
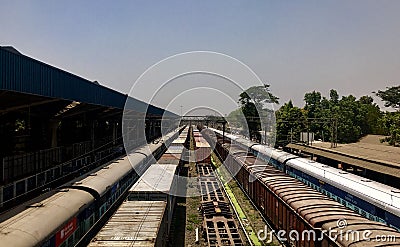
<point x="334" y="96"/>
<point x="371" y="114"/>
<point x="313" y="103"/>
<point x="354" y="118"/>
<point x="391" y="96"/>
<point x="348" y="118"/>
<point x="259" y="96"/>
<point x="317" y="109"/>
<point x="253" y="102"/>
<point x="390" y="121"/>
<point x="290" y="121"/>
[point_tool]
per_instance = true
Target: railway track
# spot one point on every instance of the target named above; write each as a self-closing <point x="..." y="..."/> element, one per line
<point x="219" y="224"/>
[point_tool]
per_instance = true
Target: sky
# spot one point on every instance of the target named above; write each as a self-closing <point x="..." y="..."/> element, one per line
<point x="295" y="46"/>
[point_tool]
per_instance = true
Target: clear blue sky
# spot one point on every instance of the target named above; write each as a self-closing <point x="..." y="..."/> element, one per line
<point x="296" y="46"/>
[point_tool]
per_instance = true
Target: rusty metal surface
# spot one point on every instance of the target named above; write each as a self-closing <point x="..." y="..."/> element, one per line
<point x="219" y="226"/>
<point x="135" y="223"/>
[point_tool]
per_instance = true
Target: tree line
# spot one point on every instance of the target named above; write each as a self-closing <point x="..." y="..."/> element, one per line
<point x="343" y="119"/>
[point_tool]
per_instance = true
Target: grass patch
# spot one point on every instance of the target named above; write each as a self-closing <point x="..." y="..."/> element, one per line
<point x="194" y="218"/>
<point x="250" y="217"/>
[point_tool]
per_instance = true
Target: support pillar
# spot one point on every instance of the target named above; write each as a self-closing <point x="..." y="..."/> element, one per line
<point x="1" y="196"/>
<point x="53" y="131"/>
<point x="115" y="133"/>
<point x="92" y="133"/>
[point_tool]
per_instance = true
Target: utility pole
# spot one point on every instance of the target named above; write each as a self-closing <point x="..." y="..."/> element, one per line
<point x="223" y="129"/>
<point x="291" y="135"/>
<point x="332" y="133"/>
<point x="308" y="133"/>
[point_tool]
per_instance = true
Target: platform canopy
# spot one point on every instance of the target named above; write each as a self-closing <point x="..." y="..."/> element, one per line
<point x="25" y="81"/>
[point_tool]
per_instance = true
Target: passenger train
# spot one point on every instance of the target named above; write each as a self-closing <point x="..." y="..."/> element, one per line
<point x="65" y="217"/>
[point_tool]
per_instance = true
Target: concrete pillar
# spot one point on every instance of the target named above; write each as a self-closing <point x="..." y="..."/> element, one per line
<point x="92" y="133"/>
<point x="26" y="185"/>
<point x="14" y="190"/>
<point x="154" y="130"/>
<point x="364" y="172"/>
<point x="53" y="132"/>
<point x="114" y="126"/>
<point x="1" y="196"/>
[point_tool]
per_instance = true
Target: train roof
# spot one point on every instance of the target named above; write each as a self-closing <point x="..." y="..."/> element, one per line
<point x="370" y="190"/>
<point x="32" y="226"/>
<point x="103" y="179"/>
<point x="175" y="149"/>
<point x="169" y="159"/>
<point x="351" y="233"/>
<point x="179" y="140"/>
<point x="276" y="154"/>
<point x="202" y="145"/>
<point x="135" y="223"/>
<point x="157" y="178"/>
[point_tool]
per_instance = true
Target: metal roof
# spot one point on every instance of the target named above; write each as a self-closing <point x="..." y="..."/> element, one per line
<point x="385" y="168"/>
<point x="135" y="223"/>
<point x="175" y="149"/>
<point x="20" y="73"/>
<point x="157" y="178"/>
<point x="202" y="145"/>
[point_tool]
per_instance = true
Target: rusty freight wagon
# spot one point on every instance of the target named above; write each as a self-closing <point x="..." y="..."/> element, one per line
<point x="135" y="223"/>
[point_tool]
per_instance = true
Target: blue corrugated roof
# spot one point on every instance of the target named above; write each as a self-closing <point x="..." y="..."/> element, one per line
<point x="24" y="74"/>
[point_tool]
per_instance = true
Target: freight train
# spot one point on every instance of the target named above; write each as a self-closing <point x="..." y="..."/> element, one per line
<point x="373" y="200"/>
<point x="291" y="206"/>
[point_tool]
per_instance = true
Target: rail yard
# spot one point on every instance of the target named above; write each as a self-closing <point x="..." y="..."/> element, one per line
<point x="133" y="174"/>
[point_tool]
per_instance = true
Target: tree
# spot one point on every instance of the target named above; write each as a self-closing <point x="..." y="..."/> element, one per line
<point x="313" y="102"/>
<point x="254" y="103"/>
<point x="348" y="118"/>
<point x="391" y="96"/>
<point x="290" y="121"/>
<point x="334" y="96"/>
<point x="371" y="114"/>
<point x="259" y="96"/>
<point x="354" y="118"/>
<point x="391" y="120"/>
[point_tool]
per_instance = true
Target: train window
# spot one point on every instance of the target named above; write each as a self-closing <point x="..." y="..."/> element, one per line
<point x="91" y="220"/>
<point x="70" y="241"/>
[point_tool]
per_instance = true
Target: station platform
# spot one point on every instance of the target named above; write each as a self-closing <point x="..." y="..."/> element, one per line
<point x="368" y="155"/>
